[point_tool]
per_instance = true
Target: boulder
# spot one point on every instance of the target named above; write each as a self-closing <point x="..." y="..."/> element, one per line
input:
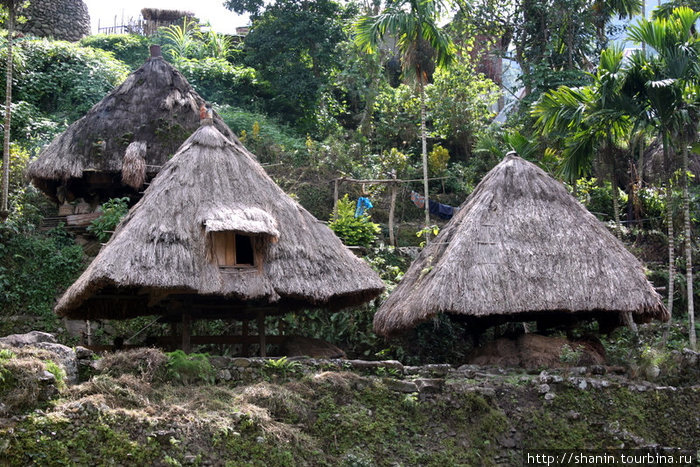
<point x="66" y="359"/>
<point x="30" y="338"/>
<point x="537" y="351"/>
<point x="298" y="346"/>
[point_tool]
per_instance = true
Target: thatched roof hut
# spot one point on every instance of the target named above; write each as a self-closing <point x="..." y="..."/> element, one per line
<point x="521" y="248"/>
<point x="213" y="234"/>
<point x="124" y="139"/>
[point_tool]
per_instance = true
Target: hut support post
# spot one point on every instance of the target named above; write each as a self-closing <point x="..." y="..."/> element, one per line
<point x="186" y="332"/>
<point x="392" y="211"/>
<point x="244" y="331"/>
<point x="261" y="332"/>
<point x="629" y="321"/>
<point x="88" y="332"/>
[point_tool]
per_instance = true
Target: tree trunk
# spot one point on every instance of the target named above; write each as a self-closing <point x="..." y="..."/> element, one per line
<point x="424" y="152"/>
<point x="671" y="239"/>
<point x="4" y="209"/>
<point x="688" y="251"/>
<point x="615" y="200"/>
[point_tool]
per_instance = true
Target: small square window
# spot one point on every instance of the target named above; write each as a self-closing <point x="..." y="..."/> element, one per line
<point x="232" y="249"/>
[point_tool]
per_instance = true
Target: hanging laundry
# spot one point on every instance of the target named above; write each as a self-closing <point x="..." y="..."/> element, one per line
<point x="418" y="200"/>
<point x="443" y="211"/>
<point x="363" y="204"/>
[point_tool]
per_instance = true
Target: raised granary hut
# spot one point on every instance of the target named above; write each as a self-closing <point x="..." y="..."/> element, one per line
<point x="215" y="237"/>
<point x="521" y="248"/>
<point x="123" y="141"/>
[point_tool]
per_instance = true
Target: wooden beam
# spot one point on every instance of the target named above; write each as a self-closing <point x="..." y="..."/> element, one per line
<point x="228" y="340"/>
<point x="387" y="181"/>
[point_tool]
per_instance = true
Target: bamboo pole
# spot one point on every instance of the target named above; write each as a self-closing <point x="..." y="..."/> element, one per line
<point x="392" y="210"/>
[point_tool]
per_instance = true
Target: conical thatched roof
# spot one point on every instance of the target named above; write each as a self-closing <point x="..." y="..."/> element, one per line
<point x="520" y="248"/>
<point x="155" y="108"/>
<point x="161" y="253"/>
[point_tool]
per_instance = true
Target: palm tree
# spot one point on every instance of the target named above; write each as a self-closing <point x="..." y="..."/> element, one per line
<point x="589" y="120"/>
<point x="666" y="82"/>
<point x="11" y="6"/>
<point x="413" y="23"/>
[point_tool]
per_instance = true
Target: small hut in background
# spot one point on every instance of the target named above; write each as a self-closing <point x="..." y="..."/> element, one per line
<point x="123" y="141"/>
<point x="215" y="237"/>
<point x="154" y="18"/>
<point x="521" y="248"/>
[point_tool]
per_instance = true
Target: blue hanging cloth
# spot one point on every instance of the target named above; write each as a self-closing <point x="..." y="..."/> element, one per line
<point x="363" y="204"/>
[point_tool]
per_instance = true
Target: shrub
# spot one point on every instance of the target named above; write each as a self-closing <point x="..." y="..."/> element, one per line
<point x="356" y="231"/>
<point x="438" y="158"/>
<point x="217" y="80"/>
<point x="64" y="79"/>
<point x="34" y="268"/>
<point x="598" y="199"/>
<point x="269" y="140"/>
<point x="112" y="212"/>
<point x="132" y="49"/>
<point x="190" y="368"/>
<point x="30" y="126"/>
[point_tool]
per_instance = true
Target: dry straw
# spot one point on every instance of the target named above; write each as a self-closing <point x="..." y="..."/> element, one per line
<point x="159" y="257"/>
<point x="521" y="248"/>
<point x="155" y="107"/>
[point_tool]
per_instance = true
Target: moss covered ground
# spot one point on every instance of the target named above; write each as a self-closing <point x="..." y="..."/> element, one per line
<point x="317" y="417"/>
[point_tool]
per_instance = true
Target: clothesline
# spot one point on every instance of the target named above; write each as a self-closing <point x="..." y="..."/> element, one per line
<point x="385" y="180"/>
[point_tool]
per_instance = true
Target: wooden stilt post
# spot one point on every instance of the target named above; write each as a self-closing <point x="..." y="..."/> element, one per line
<point x="88" y="331"/>
<point x="186" y="331"/>
<point x="245" y="349"/>
<point x="392" y="210"/>
<point x="629" y="321"/>
<point x="261" y="332"/>
<point x="335" y="197"/>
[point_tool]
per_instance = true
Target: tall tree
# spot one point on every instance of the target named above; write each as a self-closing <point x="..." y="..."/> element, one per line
<point x="665" y="78"/>
<point x="422" y="44"/>
<point x="11" y="6"/>
<point x="554" y="42"/>
<point x="590" y="120"/>
<point x="293" y="44"/>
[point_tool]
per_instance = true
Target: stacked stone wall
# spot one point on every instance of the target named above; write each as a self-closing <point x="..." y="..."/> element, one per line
<point x="59" y="19"/>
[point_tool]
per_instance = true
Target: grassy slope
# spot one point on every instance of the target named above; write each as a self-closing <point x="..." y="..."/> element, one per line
<point x="335" y="417"/>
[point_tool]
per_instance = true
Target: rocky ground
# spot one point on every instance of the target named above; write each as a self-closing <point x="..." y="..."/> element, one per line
<point x="143" y="407"/>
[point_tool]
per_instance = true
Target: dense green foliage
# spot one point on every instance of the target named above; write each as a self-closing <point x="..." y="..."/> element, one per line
<point x="217" y="80"/>
<point x="189" y="368"/>
<point x="34" y="268"/>
<point x="112" y="212"/>
<point x="293" y="45"/>
<point x="131" y="49"/>
<point x="312" y="106"/>
<point x="62" y="79"/>
<point x="352" y="230"/>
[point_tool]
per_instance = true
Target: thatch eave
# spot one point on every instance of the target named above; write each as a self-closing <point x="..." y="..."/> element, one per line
<point x="155" y="105"/>
<point x="520" y="246"/>
<point x="163" y="244"/>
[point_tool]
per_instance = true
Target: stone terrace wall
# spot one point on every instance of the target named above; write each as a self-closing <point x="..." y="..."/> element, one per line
<point x="60" y="19"/>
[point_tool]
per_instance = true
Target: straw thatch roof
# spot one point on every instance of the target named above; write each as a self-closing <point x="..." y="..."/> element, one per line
<point x="521" y="248"/>
<point x="161" y="255"/>
<point x="160" y="15"/>
<point x="152" y="112"/>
